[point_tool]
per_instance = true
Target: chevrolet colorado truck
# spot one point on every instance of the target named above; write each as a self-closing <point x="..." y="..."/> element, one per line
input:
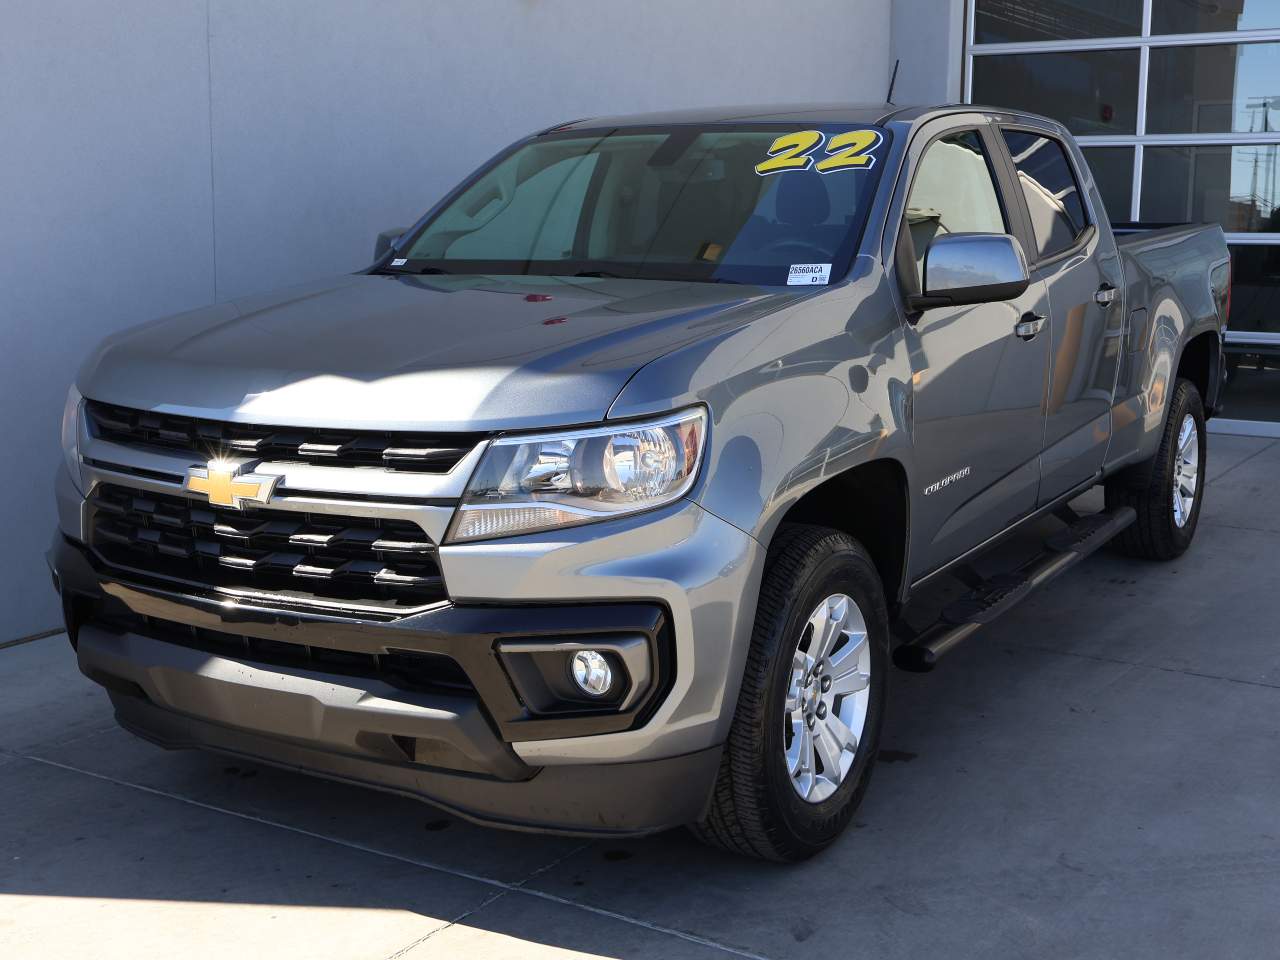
<point x="595" y="503"/>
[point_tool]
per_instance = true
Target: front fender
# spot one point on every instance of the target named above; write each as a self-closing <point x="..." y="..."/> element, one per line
<point x="796" y="396"/>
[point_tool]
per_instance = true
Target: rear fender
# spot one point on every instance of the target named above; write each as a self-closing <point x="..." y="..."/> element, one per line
<point x="1170" y="278"/>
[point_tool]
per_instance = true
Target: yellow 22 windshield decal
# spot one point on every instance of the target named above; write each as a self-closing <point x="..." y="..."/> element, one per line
<point x="851" y="150"/>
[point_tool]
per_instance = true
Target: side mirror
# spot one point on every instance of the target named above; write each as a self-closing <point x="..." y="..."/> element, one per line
<point x="962" y="268"/>
<point x="385" y="241"/>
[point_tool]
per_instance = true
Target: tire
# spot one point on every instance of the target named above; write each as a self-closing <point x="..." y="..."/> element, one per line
<point x="757" y="808"/>
<point x="1166" y="524"/>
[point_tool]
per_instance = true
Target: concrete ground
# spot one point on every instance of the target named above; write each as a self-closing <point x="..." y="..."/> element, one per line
<point x="1095" y="775"/>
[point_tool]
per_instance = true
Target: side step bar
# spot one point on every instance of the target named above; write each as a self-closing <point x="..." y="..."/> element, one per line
<point x="990" y="598"/>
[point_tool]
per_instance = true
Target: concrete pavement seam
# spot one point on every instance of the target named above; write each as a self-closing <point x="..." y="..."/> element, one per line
<point x="1258" y="452"/>
<point x="59" y="744"/>
<point x="1146" y="666"/>
<point x="1236" y="526"/>
<point x="412" y="861"/>
<point x="29" y="638"/>
<point x="403" y="951"/>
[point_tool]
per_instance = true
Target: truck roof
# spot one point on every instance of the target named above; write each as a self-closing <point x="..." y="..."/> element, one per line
<point x="870" y="113"/>
<point x="859" y="113"/>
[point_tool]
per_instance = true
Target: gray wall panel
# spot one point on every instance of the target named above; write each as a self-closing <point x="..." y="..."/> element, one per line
<point x="330" y="125"/>
<point x="105" y="221"/>
<point x="927" y="36"/>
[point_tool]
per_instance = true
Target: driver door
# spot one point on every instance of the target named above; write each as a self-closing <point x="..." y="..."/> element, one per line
<point x="978" y="385"/>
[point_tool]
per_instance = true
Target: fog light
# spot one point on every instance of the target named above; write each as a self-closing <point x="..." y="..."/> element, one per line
<point x="591" y="672"/>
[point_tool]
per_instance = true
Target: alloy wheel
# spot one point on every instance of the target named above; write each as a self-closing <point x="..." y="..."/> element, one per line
<point x="1186" y="471"/>
<point x="828" y="693"/>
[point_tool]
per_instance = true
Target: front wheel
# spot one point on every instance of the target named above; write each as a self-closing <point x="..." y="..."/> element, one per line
<point x="1168" y="494"/>
<point x="807" y="726"/>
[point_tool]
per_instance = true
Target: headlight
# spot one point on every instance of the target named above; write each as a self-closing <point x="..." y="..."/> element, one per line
<point x="524" y="484"/>
<point x="71" y="433"/>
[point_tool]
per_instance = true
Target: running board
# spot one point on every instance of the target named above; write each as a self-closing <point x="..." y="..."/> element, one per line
<point x="991" y="598"/>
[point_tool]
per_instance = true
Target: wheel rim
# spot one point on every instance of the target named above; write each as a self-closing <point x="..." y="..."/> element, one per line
<point x="1186" y="471"/>
<point x="827" y="697"/>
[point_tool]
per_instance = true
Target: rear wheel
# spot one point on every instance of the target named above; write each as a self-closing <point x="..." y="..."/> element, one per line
<point x="1167" y="494"/>
<point x="807" y="726"/>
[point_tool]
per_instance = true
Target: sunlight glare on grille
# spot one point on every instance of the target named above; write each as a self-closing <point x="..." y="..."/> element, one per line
<point x="386" y="563"/>
<point x="391" y="450"/>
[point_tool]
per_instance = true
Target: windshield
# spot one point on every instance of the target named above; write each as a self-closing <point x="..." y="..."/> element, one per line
<point x="763" y="205"/>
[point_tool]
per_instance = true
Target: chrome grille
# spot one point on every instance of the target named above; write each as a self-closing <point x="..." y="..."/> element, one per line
<point x="295" y="557"/>
<point x="204" y="439"/>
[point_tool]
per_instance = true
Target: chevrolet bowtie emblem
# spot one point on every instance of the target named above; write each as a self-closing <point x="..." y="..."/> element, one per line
<point x="222" y="483"/>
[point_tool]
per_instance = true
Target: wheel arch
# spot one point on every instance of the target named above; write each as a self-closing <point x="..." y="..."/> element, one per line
<point x="1200" y="363"/>
<point x="870" y="503"/>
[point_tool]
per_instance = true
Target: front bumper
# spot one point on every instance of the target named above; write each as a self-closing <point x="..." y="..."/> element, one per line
<point x="677" y="578"/>
<point x="181" y="698"/>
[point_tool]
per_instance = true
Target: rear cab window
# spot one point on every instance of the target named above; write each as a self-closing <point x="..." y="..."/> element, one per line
<point x="1051" y="191"/>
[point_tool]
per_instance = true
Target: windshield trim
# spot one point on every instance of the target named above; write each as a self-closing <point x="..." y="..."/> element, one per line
<point x="842" y="260"/>
<point x="577" y="269"/>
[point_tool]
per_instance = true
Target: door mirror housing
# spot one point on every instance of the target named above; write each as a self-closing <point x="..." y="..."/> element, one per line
<point x="386" y="240"/>
<point x="964" y="268"/>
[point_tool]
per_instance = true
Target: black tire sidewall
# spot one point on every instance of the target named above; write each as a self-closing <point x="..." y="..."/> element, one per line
<point x="1147" y="488"/>
<point x="840" y="568"/>
<point x="1185" y="402"/>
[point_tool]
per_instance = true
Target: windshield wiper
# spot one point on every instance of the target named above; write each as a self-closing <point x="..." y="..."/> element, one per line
<point x="677" y="279"/>
<point x="415" y="272"/>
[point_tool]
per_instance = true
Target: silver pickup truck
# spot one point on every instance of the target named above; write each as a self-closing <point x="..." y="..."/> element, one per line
<point x="594" y="505"/>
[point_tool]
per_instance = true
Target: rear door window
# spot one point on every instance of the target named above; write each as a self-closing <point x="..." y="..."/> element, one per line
<point x="1053" y="196"/>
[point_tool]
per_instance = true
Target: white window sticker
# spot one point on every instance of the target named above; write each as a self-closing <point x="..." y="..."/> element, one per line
<point x="399" y="261"/>
<point x="804" y="274"/>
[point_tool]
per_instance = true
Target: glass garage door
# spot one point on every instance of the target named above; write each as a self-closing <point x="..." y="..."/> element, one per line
<point x="1177" y="106"/>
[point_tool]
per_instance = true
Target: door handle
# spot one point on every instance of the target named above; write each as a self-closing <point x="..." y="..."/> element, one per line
<point x="1106" y="295"/>
<point x="1028" y="326"/>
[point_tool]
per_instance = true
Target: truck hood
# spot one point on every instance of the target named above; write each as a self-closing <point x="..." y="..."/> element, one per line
<point x="416" y="353"/>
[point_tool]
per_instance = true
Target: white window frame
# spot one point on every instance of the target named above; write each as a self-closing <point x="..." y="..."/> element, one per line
<point x="1143" y="43"/>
